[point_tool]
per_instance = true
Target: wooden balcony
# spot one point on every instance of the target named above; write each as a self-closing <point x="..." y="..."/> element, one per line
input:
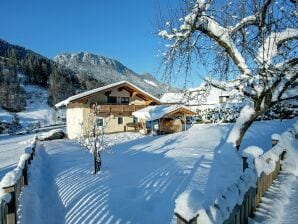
<point x="118" y="109"/>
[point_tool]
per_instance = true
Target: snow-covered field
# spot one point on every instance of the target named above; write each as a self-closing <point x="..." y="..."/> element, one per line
<point x="140" y="179"/>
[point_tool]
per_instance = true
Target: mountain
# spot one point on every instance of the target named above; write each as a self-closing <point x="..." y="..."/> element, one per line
<point x="68" y="74"/>
<point x="109" y="70"/>
<point x="20" y="66"/>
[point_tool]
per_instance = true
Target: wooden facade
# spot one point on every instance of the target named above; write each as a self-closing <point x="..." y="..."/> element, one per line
<point x="127" y="110"/>
<point x="163" y="119"/>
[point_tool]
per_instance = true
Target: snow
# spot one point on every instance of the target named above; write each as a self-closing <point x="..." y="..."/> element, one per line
<point x="223" y="35"/>
<point x="87" y="93"/>
<point x="51" y="133"/>
<point x="197" y="18"/>
<point x="275" y="136"/>
<point x="246" y="112"/>
<point x="111" y="139"/>
<point x="290" y="164"/>
<point x="145" y="174"/>
<point x="141" y="178"/>
<point x="37" y="108"/>
<point x="172" y="98"/>
<point x="23" y="158"/>
<point x="280" y="203"/>
<point x="224" y="205"/>
<point x="270" y="47"/>
<point x="247" y="20"/>
<point x="5" y="116"/>
<point x="202" y="97"/>
<point x="11" y="178"/>
<point x="276" y="206"/>
<point x="152" y="113"/>
<point x="36" y="111"/>
<point x="150" y="82"/>
<point x="4" y="196"/>
<point x="252" y="152"/>
<point x="11" y="148"/>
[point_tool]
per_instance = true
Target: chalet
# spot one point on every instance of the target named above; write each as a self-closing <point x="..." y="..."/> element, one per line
<point x="163" y="119"/>
<point x="114" y="104"/>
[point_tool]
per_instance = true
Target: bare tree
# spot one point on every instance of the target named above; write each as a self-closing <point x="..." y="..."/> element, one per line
<point x="252" y="41"/>
<point x="95" y="137"/>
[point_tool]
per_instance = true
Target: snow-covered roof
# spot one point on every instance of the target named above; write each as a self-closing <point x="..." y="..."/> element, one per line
<point x="152" y="113"/>
<point x="196" y="96"/>
<point x="93" y="91"/>
<point x="172" y="98"/>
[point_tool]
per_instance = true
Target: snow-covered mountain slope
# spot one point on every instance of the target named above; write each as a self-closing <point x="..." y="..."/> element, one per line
<point x="37" y="110"/>
<point x="109" y="71"/>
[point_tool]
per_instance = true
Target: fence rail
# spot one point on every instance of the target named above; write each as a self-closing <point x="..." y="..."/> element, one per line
<point x="252" y="197"/>
<point x="12" y="184"/>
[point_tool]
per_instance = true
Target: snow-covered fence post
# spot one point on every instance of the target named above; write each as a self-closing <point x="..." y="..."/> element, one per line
<point x="181" y="220"/>
<point x="3" y="211"/>
<point x="244" y="162"/>
<point x="12" y="183"/>
<point x="25" y="172"/>
<point x="275" y="139"/>
<point x="35" y="139"/>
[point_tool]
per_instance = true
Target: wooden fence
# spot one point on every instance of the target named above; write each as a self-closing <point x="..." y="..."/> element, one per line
<point x="8" y="209"/>
<point x="252" y="197"/>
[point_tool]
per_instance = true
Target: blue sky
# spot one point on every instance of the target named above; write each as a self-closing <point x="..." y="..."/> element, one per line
<point x="118" y="29"/>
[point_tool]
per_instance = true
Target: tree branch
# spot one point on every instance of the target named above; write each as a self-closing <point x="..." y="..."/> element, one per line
<point x="257" y="19"/>
<point x="269" y="48"/>
<point x="222" y="37"/>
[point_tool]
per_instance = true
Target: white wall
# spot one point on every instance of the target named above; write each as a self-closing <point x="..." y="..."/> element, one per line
<point x="74" y="121"/>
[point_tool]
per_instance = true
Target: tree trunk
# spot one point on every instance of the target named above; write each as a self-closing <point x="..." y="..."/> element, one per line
<point x="243" y="130"/>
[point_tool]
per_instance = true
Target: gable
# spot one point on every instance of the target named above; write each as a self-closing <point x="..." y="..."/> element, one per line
<point x="124" y="89"/>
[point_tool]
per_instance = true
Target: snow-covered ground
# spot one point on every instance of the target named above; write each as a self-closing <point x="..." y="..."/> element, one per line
<point x="37" y="108"/>
<point x="11" y="147"/>
<point x="140" y="179"/>
<point x="280" y="203"/>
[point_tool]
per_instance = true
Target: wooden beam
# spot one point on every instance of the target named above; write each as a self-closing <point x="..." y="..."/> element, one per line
<point x="141" y="96"/>
<point x="133" y="94"/>
<point x="108" y="93"/>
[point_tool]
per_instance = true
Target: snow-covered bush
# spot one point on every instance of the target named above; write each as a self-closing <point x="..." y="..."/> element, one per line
<point x="227" y="113"/>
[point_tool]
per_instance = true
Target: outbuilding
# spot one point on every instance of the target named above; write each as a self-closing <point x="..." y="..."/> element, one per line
<point x="163" y="119"/>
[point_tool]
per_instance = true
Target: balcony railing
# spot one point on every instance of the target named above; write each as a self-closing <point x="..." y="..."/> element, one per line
<point x="110" y="109"/>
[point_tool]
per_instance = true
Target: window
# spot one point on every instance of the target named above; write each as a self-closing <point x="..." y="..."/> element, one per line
<point x="120" y="120"/>
<point x="124" y="100"/>
<point x="112" y="99"/>
<point x="135" y="120"/>
<point x="223" y="99"/>
<point x="99" y="122"/>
